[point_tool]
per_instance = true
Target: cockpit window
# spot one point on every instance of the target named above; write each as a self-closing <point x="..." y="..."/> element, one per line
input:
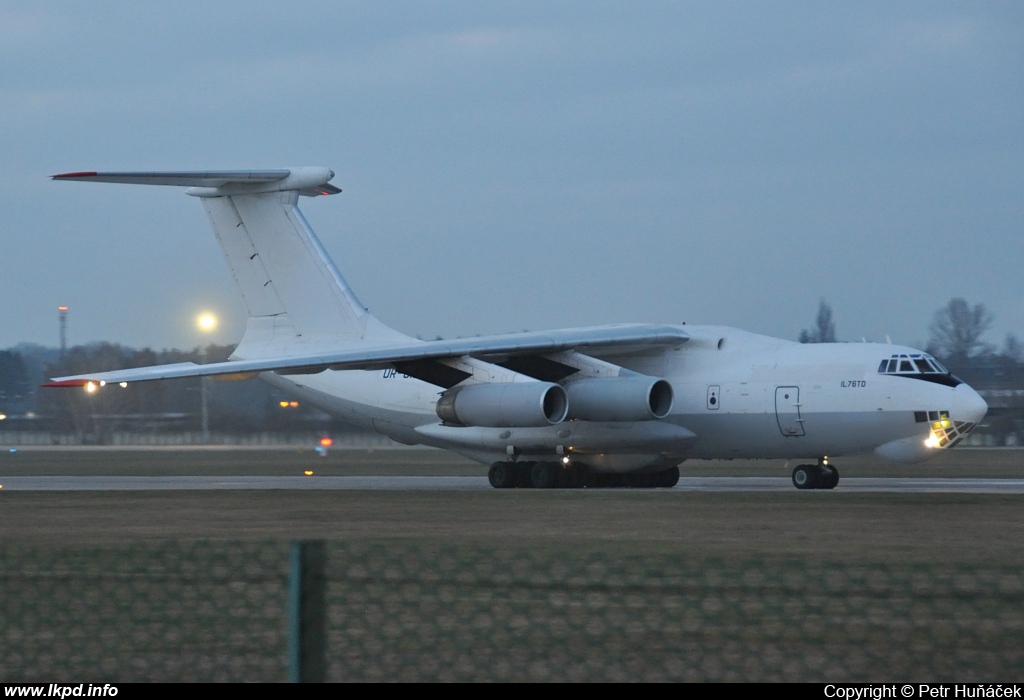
<point x="918" y="366"/>
<point x="911" y="364"/>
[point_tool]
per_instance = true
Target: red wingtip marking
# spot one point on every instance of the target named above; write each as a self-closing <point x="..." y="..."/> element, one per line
<point x="68" y="382"/>
<point x="68" y="176"/>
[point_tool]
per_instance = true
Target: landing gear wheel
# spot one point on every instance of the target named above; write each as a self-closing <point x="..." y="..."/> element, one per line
<point x="806" y="476"/>
<point x="523" y="480"/>
<point x="668" y="478"/>
<point x="574" y="477"/>
<point x="544" y="475"/>
<point x="503" y="475"/>
<point x="641" y="481"/>
<point x="829" y="477"/>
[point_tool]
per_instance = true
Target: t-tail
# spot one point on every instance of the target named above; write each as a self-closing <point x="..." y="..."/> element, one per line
<point x="297" y="300"/>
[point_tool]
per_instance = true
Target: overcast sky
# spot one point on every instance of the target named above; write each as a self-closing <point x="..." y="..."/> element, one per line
<point x="528" y="165"/>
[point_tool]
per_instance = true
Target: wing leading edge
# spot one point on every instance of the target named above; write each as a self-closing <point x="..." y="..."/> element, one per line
<point x="631" y="337"/>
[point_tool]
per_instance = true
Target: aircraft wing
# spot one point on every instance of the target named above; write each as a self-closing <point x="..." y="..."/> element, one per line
<point x="625" y="338"/>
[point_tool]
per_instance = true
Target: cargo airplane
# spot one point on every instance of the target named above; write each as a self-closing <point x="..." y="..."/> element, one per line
<point x="619" y="405"/>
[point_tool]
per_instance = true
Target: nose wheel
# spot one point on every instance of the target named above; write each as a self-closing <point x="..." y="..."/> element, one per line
<point x="816" y="476"/>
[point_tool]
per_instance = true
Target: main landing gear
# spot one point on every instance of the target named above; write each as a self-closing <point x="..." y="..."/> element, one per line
<point x="816" y="476"/>
<point x="552" y="475"/>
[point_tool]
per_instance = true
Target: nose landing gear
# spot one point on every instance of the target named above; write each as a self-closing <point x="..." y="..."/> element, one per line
<point x="816" y="476"/>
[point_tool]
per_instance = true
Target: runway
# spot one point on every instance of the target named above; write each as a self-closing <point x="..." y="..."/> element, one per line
<point x="479" y="483"/>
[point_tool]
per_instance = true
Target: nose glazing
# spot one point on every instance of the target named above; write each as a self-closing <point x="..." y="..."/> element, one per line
<point x="966" y="411"/>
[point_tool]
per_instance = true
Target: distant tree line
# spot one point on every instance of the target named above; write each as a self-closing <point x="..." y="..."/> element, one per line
<point x="955" y="334"/>
<point x="234" y="406"/>
<point x="15" y="387"/>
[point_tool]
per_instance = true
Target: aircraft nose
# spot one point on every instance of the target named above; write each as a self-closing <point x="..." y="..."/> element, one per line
<point x="970" y="407"/>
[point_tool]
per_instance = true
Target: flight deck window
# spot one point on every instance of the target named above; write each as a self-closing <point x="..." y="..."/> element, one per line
<point x="911" y="364"/>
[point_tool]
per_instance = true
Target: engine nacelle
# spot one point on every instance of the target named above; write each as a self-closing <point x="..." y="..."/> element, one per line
<point x="504" y="405"/>
<point x="619" y="398"/>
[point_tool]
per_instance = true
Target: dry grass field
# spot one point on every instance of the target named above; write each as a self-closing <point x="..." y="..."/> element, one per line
<point x="830" y="525"/>
<point x="509" y="585"/>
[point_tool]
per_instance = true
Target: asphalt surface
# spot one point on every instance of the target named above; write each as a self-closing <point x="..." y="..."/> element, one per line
<point x="476" y="483"/>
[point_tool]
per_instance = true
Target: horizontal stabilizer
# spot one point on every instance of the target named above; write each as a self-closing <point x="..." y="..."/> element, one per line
<point x="310" y="181"/>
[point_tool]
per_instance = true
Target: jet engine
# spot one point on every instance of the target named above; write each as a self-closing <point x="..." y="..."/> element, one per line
<point x="504" y="405"/>
<point x="619" y="398"/>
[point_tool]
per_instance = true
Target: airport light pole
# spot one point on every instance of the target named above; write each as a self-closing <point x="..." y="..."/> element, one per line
<point x="206" y="322"/>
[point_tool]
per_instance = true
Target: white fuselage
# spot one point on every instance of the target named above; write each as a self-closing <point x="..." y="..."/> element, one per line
<point x="736" y="395"/>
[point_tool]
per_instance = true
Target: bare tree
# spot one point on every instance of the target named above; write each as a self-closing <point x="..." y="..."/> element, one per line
<point x="1013" y="349"/>
<point x="956" y="331"/>
<point x="824" y="328"/>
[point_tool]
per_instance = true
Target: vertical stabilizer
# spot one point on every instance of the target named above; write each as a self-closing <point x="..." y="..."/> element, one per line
<point x="296" y="299"/>
<point x="291" y="287"/>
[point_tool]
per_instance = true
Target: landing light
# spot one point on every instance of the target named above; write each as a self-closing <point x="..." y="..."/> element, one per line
<point x="932" y="441"/>
<point x="123" y="385"/>
<point x="565" y="460"/>
<point x="90" y="388"/>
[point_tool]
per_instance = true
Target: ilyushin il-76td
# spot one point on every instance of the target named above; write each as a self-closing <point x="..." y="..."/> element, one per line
<point x="619" y="405"/>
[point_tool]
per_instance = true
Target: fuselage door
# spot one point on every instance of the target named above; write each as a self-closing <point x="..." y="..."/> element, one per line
<point x="787" y="411"/>
<point x="713" y="397"/>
